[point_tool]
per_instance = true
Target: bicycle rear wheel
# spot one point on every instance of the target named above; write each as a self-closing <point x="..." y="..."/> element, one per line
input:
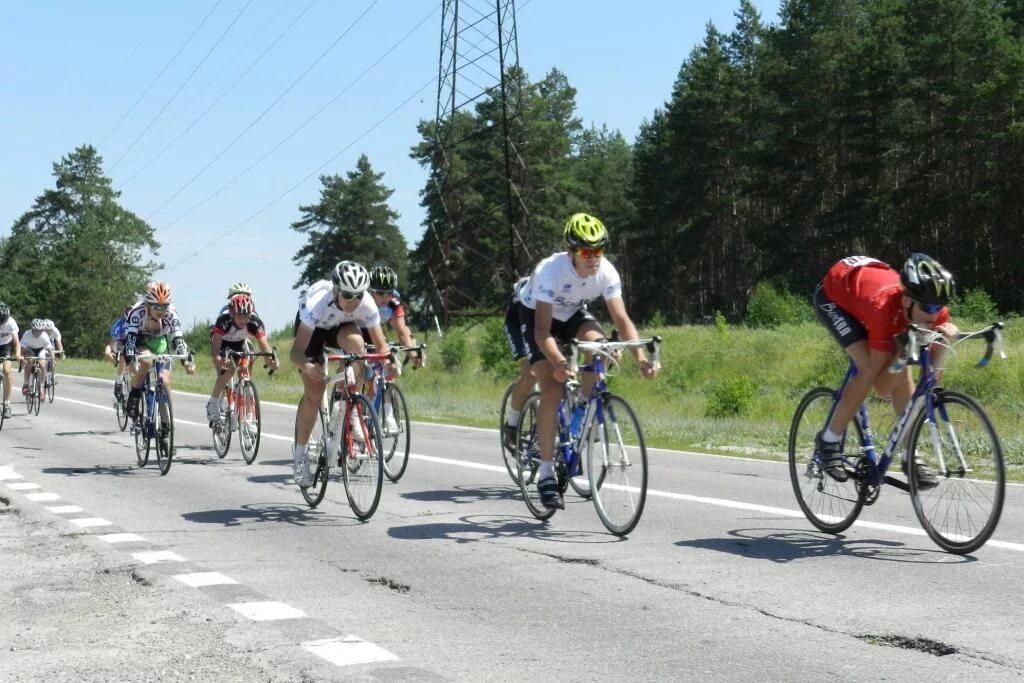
<point x="830" y="505"/>
<point x="527" y="458"/>
<point x="507" y="450"/>
<point x="119" y="404"/>
<point x="362" y="470"/>
<point x="396" y="443"/>
<point x="163" y="429"/>
<point x="3" y="396"/>
<point x="33" y="401"/>
<point x="618" y="466"/>
<point x="316" y="451"/>
<point x="221" y="429"/>
<point x="249" y="420"/>
<point x="140" y="428"/>
<point x="51" y="386"/>
<point x="965" y="454"/>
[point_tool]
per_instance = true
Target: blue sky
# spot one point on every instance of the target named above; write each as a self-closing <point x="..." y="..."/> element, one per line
<point x="70" y="71"/>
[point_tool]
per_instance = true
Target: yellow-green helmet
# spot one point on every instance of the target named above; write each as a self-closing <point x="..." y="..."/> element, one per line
<point x="585" y="231"/>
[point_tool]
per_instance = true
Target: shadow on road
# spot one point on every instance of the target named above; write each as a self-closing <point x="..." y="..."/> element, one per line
<point x="473" y="528"/>
<point x="786" y="545"/>
<point x="299" y="515"/>
<point x="466" y="494"/>
<point x="88" y="432"/>
<point x="132" y="470"/>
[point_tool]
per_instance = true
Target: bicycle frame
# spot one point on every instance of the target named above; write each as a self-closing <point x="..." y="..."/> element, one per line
<point x="350" y="388"/>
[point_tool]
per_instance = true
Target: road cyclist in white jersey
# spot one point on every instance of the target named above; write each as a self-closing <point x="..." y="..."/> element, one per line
<point x="36" y="347"/>
<point x="10" y="347"/>
<point x="521" y="355"/>
<point x="230" y="332"/>
<point x="331" y="313"/>
<point x="552" y="310"/>
<point x="152" y="326"/>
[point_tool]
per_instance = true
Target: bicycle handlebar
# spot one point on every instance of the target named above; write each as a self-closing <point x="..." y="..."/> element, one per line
<point x="909" y="344"/>
<point x="652" y="344"/>
<point x="256" y="354"/>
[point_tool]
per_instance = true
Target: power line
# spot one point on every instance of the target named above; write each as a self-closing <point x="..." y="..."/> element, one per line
<point x="231" y="87"/>
<point x="305" y="123"/>
<point x="263" y="113"/>
<point x="315" y="171"/>
<point x="157" y="78"/>
<point x="187" y="80"/>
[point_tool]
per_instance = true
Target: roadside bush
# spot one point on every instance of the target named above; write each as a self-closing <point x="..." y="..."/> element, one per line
<point x="198" y="338"/>
<point x="454" y="350"/>
<point x="771" y="307"/>
<point x="974" y="305"/>
<point x="495" y="358"/>
<point x="732" y="397"/>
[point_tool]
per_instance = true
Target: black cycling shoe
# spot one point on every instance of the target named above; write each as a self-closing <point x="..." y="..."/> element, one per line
<point x="118" y="391"/>
<point x="550" y="496"/>
<point x="926" y="479"/>
<point x="132" y="407"/>
<point x="508" y="437"/>
<point x="831" y="457"/>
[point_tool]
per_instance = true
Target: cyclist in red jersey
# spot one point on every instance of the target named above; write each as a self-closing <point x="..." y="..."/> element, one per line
<point x="864" y="303"/>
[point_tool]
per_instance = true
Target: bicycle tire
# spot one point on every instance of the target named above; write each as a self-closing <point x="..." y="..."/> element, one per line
<point x="507" y="450"/>
<point x="163" y="430"/>
<point x="221" y="429"/>
<point x="250" y="422"/>
<point x="363" y="468"/>
<point x="140" y="427"/>
<point x="396" y="446"/>
<point x="3" y="395"/>
<point x="119" y="405"/>
<point x="946" y="511"/>
<point x="618" y="469"/>
<point x="527" y="457"/>
<point x="50" y="385"/>
<point x="316" y="451"/>
<point x="33" y="393"/>
<point x="830" y="505"/>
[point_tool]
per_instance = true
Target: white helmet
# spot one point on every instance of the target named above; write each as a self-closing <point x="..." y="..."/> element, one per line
<point x="38" y="324"/>
<point x="350" y="277"/>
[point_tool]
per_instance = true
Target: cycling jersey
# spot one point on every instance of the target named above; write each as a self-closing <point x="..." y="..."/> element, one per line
<point x="117" y="330"/>
<point x="8" y="331"/>
<point x="30" y="342"/>
<point x="54" y="335"/>
<point x="392" y="310"/>
<point x="319" y="309"/>
<point x="225" y="328"/>
<point x="138" y="325"/>
<point x="871" y="292"/>
<point x="556" y="282"/>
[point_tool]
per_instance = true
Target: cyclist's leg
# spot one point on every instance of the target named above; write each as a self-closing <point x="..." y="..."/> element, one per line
<point x="521" y="355"/>
<point x="308" y="410"/>
<point x="584" y="327"/>
<point x="223" y="367"/>
<point x="4" y="351"/>
<point x="350" y="338"/>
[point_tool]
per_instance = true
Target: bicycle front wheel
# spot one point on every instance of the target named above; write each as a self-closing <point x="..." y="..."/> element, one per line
<point x="32" y="400"/>
<point x="221" y="429"/>
<point x="618" y="466"/>
<point x="249" y="420"/>
<point x="527" y="458"/>
<point x="362" y="469"/>
<point x="396" y="441"/>
<point x="3" y="396"/>
<point x="830" y="505"/>
<point x="316" y="452"/>
<point x="51" y="386"/>
<point x="119" y="404"/>
<point x="140" y="428"/>
<point x="163" y="423"/>
<point x="964" y="453"/>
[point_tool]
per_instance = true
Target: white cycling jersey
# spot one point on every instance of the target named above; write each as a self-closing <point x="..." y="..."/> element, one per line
<point x="8" y="331"/>
<point x="556" y="282"/>
<point x="318" y="308"/>
<point x="35" y="344"/>
<point x="138" y="324"/>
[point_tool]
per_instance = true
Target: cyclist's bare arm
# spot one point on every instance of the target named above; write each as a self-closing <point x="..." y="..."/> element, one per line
<point x="379" y="341"/>
<point x="624" y="324"/>
<point x="405" y="337"/>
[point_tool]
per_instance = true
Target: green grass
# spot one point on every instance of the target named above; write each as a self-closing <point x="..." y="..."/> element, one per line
<point x="724" y="390"/>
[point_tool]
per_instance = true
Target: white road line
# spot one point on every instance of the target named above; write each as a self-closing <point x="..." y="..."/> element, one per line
<point x="23" y="486"/>
<point x="702" y="500"/>
<point x="267" y="611"/>
<point x="158" y="556"/>
<point x="42" y="497"/>
<point x="348" y="651"/>
<point x="63" y="509"/>
<point x="120" y="538"/>
<point x="199" y="579"/>
<point x="8" y="473"/>
<point x="85" y="522"/>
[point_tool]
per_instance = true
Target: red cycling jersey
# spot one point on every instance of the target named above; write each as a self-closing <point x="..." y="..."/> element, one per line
<point x="871" y="292"/>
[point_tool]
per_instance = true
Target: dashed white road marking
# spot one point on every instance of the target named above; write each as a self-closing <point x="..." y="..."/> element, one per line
<point x="267" y="611"/>
<point x="63" y="509"/>
<point x="198" y="579"/>
<point x="23" y="486"/>
<point x="155" y="556"/>
<point x="8" y="473"/>
<point x="120" y="538"/>
<point x="348" y="651"/>
<point x="86" y="522"/>
<point x="42" y="497"/>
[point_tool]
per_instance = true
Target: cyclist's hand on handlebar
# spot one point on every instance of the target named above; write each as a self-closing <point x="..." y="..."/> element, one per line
<point x="390" y="370"/>
<point x="562" y="374"/>
<point x="648" y="369"/>
<point x="272" y="364"/>
<point x="948" y="329"/>
<point x="190" y="368"/>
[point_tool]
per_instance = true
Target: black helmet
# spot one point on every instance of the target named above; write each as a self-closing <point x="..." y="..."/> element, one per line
<point x="5" y="312"/>
<point x="382" y="277"/>
<point x="927" y="281"/>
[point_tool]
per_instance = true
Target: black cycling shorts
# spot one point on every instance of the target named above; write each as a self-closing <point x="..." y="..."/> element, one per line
<point x="845" y="328"/>
<point x="514" y="332"/>
<point x="563" y="331"/>
<point x="319" y="339"/>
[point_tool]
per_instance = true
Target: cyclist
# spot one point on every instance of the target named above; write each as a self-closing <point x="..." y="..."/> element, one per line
<point x="552" y="311"/>
<point x="330" y="314"/>
<point x="384" y="290"/>
<point x="36" y="346"/>
<point x="520" y="354"/>
<point x="58" y="345"/>
<point x="115" y="347"/>
<point x="151" y="324"/>
<point x="230" y="332"/>
<point x="864" y="303"/>
<point x="10" y="346"/>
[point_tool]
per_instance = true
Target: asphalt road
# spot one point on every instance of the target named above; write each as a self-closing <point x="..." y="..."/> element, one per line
<point x="452" y="579"/>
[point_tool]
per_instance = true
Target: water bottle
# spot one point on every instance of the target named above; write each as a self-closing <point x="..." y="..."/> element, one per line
<point x="577" y="419"/>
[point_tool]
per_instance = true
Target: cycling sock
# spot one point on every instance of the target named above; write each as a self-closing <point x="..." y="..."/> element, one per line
<point x="512" y="418"/>
<point x="547" y="469"/>
<point x="830" y="436"/>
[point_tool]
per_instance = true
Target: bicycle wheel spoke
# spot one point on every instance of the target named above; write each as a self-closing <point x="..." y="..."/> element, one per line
<point x="618" y="466"/>
<point x="316" y="451"/>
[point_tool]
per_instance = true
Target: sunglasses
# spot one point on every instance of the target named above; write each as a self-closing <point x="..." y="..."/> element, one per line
<point x="381" y="291"/>
<point x="160" y="307"/>
<point x="930" y="309"/>
<point x="597" y="252"/>
<point x="347" y="296"/>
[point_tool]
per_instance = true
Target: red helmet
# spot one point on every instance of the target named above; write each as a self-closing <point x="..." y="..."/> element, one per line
<point x="241" y="304"/>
